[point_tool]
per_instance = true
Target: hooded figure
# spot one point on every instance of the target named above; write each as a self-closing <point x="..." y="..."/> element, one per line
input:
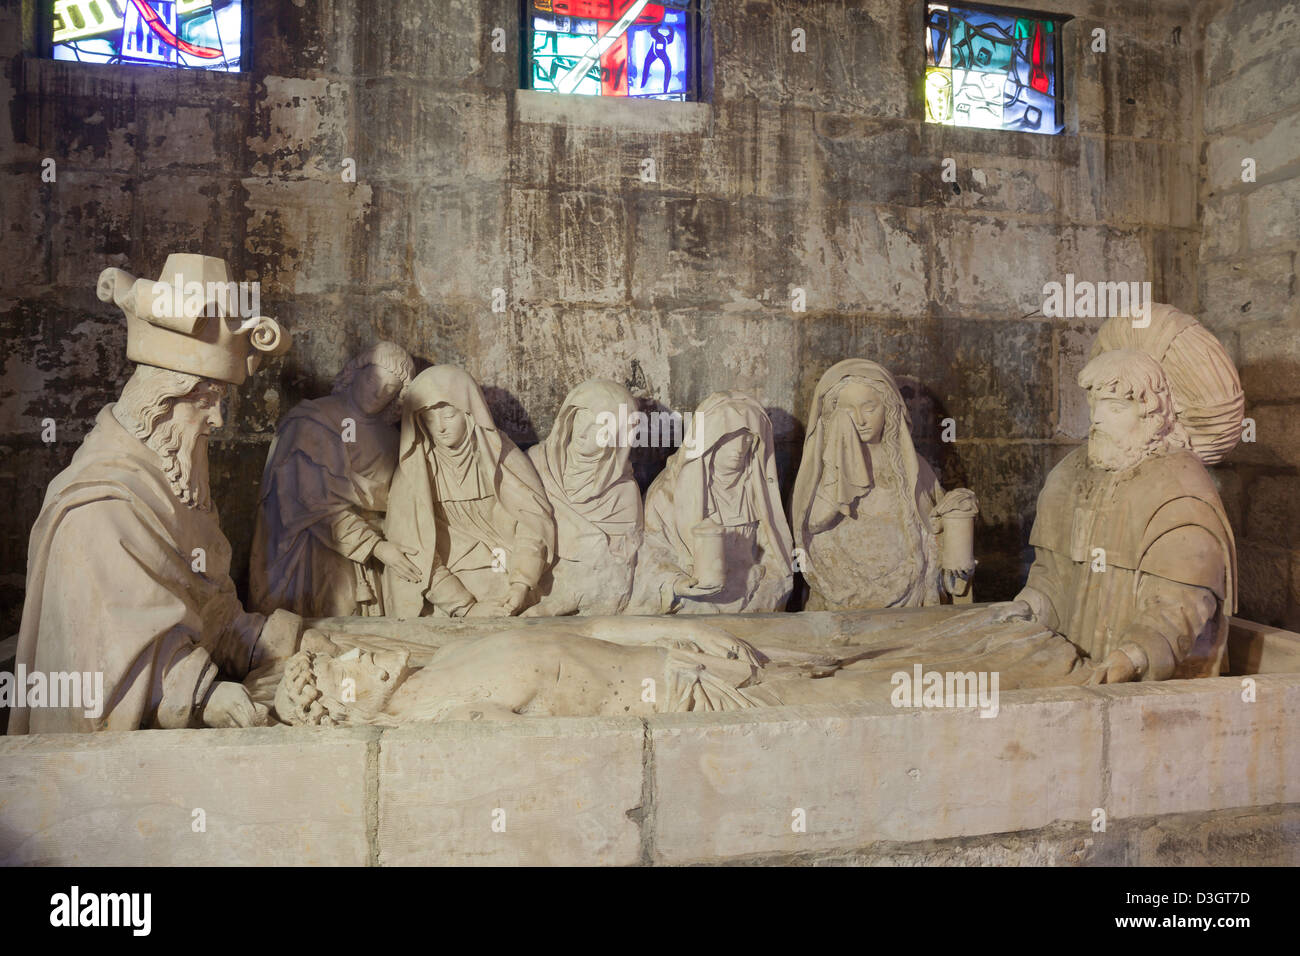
<point x="317" y="547"/>
<point x="584" y="467"/>
<point x="863" y="500"/>
<point x="466" y="504"/>
<point x="716" y="536"/>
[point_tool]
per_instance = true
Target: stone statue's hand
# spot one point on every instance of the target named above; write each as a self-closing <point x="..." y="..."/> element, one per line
<point x="228" y="705"/>
<point x="1117" y="668"/>
<point x="687" y="586"/>
<point x="394" y="556"/>
<point x="957" y="582"/>
<point x="718" y="644"/>
<point x="1016" y="610"/>
<point x="516" y="598"/>
<point x="319" y="642"/>
<point x="482" y="609"/>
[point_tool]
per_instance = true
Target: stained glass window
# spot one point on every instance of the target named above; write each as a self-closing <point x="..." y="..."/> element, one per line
<point x="993" y="68"/>
<point x="189" y="34"/>
<point x="627" y="48"/>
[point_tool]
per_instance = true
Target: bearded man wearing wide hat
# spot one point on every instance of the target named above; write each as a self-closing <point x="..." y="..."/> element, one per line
<point x="128" y="572"/>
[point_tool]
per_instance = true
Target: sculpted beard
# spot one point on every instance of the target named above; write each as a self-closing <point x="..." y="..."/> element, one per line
<point x="1119" y="452"/>
<point x="184" y="451"/>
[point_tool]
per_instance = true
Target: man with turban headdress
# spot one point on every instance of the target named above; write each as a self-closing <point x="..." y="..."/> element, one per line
<point x="468" y="504"/>
<point x="716" y="537"/>
<point x="1134" y="557"/>
<point x="584" y="468"/>
<point x="864" y="501"/>
<point x="318" y="549"/>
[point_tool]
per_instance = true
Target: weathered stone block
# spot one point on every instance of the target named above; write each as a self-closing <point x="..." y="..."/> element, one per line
<point x="712" y="253"/>
<point x="1246" y="290"/>
<point x="1184" y="746"/>
<point x="1270" y="361"/>
<point x="410" y="131"/>
<point x="996" y="268"/>
<point x="417" y="40"/>
<point x="195" y="137"/>
<point x="558" y="790"/>
<point x="310" y="38"/>
<point x="859" y="258"/>
<point x="1142" y="86"/>
<point x="1253" y="90"/>
<point x="269" y="796"/>
<point x="1273" y="143"/>
<point x="729" y="785"/>
<point x="1246" y="31"/>
<point x="568" y="247"/>
<point x="1221" y="226"/>
<point x="459" y="245"/>
<point x="1262" y="572"/>
<point x="305" y="128"/>
<point x="302" y="236"/>
<point x="1273" y="214"/>
<point x="1134" y="182"/>
<point x="754" y="56"/>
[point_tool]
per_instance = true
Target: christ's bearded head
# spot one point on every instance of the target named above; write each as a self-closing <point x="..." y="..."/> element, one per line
<point x="325" y="689"/>
<point x="173" y="413"/>
<point x="1132" y="410"/>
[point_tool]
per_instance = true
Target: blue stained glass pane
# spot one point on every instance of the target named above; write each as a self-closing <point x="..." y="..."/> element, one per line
<point x="658" y="63"/>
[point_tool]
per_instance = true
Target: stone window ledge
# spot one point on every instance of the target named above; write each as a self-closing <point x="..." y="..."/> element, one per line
<point x="611" y="112"/>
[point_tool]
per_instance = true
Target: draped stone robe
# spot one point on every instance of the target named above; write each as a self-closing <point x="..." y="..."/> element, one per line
<point x="124" y="578"/>
<point x="321" y="513"/>
<point x="1169" y="577"/>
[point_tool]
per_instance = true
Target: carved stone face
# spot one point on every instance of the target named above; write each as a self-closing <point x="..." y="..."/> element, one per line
<point x="446" y="424"/>
<point x="362" y="681"/>
<point x="865" y="407"/>
<point x="585" y="438"/>
<point x="731" y="456"/>
<point x="373" y="388"/>
<point x="200" y="411"/>
<point x="1120" y="434"/>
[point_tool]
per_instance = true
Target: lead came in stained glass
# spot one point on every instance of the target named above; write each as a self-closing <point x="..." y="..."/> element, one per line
<point x="629" y="48"/>
<point x="992" y="69"/>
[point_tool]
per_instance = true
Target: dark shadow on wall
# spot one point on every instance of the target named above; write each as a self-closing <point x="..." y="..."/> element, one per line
<point x="510" y="417"/>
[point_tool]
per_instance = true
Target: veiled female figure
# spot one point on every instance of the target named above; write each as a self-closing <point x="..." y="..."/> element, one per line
<point x="584" y="468"/>
<point x="716" y="537"/>
<point x="467" y="503"/>
<point x="318" y="547"/>
<point x="864" y="503"/>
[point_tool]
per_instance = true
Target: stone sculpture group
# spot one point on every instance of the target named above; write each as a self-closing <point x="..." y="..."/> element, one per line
<point x="397" y="496"/>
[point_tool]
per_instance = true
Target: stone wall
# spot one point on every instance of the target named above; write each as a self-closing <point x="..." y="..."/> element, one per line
<point x="1249" y="244"/>
<point x="809" y="170"/>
